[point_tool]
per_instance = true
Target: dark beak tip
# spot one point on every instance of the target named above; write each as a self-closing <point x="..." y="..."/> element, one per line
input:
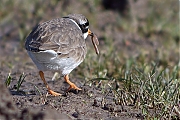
<point x="91" y="34"/>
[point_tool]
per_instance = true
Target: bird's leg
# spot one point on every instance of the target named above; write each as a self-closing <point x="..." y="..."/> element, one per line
<point x="72" y="85"/>
<point x="49" y="89"/>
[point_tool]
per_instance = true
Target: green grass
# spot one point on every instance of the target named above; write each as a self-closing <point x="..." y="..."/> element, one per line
<point x="151" y="84"/>
<point x="148" y="86"/>
<point x="8" y="80"/>
<point x="20" y="81"/>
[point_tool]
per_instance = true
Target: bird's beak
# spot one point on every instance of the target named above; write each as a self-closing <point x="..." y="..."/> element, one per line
<point x="94" y="41"/>
<point x="90" y="33"/>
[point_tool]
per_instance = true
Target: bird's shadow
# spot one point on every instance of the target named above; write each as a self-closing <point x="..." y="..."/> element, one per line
<point x="23" y="93"/>
<point x="20" y="93"/>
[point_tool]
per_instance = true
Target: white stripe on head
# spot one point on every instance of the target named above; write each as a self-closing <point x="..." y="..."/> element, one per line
<point x="81" y="21"/>
<point x="74" y="23"/>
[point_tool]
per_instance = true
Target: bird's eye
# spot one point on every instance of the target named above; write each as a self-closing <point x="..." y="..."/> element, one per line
<point x="84" y="27"/>
<point x="87" y="23"/>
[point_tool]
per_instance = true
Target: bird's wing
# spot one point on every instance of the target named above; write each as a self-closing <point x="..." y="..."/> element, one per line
<point x="61" y="35"/>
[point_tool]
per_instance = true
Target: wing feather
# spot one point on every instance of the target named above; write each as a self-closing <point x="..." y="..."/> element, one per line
<point x="60" y="35"/>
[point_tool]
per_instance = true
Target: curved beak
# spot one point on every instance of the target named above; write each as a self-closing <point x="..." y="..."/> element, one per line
<point x="94" y="41"/>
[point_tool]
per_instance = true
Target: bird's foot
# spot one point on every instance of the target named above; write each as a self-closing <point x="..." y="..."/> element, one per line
<point x="73" y="86"/>
<point x="54" y="93"/>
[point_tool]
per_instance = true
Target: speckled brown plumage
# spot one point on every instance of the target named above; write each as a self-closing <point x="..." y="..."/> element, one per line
<point x="58" y="36"/>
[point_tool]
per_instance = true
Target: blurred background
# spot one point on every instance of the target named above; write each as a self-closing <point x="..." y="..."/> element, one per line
<point x="144" y="30"/>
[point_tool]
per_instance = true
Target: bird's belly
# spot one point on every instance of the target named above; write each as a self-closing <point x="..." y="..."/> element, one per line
<point x="63" y="65"/>
<point x="52" y="62"/>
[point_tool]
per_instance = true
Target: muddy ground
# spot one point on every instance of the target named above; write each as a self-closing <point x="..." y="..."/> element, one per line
<point x="33" y="102"/>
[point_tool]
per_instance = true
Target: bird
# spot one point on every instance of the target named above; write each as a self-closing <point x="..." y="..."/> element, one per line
<point x="58" y="45"/>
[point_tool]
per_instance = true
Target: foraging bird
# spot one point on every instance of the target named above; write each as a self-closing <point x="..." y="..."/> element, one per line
<point x="59" y="45"/>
